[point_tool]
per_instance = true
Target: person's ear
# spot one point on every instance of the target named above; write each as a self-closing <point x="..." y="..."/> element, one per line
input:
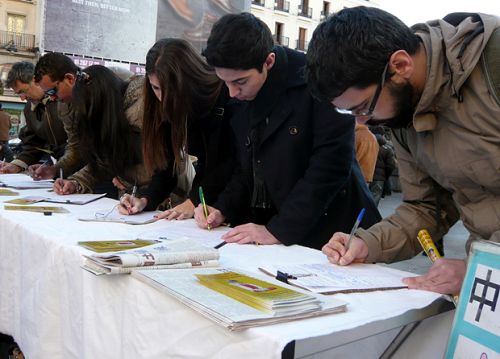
<point x="270" y="60"/>
<point x="401" y="65"/>
<point x="71" y="78"/>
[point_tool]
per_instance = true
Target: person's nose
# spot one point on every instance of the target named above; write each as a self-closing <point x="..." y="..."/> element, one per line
<point x="233" y="90"/>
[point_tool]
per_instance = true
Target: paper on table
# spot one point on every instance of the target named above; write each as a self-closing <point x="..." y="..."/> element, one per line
<point x="330" y="278"/>
<point x="76" y="198"/>
<point x="187" y="229"/>
<point x="115" y="216"/>
<point x="22" y="181"/>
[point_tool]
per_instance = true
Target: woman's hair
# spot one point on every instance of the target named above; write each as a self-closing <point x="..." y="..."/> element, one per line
<point x="105" y="136"/>
<point x="189" y="88"/>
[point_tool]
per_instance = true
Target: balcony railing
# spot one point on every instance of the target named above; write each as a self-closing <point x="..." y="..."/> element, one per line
<point x="305" y="12"/>
<point x="324" y="14"/>
<point x="13" y="41"/>
<point x="258" y="2"/>
<point x="282" y="6"/>
<point x="281" y="40"/>
<point x="302" y="45"/>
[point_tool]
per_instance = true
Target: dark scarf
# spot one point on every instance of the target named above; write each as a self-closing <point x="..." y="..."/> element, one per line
<point x="260" y="110"/>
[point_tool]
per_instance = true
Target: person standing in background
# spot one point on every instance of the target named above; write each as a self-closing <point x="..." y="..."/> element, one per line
<point x="366" y="151"/>
<point x="5" y="125"/>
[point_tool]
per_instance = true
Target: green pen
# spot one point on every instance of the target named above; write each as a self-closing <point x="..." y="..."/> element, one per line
<point x="204" y="205"/>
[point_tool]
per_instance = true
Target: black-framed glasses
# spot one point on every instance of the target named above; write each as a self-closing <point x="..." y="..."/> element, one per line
<point x="373" y="103"/>
<point x="53" y="90"/>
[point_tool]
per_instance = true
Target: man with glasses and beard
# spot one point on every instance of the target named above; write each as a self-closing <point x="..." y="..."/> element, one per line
<point x="428" y="84"/>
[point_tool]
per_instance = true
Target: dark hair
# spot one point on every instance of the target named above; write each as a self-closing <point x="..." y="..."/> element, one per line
<point x="239" y="41"/>
<point x="189" y="88"/>
<point x="352" y="47"/>
<point x="105" y="136"/>
<point x="54" y="65"/>
<point x="21" y="71"/>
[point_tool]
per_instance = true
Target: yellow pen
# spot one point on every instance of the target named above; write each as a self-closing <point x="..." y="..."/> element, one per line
<point x="430" y="249"/>
<point x="204" y="205"/>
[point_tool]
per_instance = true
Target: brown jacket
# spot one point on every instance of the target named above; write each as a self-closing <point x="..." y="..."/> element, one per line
<point x="133" y="110"/>
<point x="4" y="125"/>
<point x="452" y="150"/>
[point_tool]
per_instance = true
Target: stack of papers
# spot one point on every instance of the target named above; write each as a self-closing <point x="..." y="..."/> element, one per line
<point x="183" y="285"/>
<point x="115" y="216"/>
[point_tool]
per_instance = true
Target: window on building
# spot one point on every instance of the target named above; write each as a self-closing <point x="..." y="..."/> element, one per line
<point x="301" y="42"/>
<point x="16" y="23"/>
<point x="326" y="8"/>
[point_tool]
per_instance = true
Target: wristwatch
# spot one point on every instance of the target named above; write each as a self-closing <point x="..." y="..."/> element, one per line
<point x="78" y="186"/>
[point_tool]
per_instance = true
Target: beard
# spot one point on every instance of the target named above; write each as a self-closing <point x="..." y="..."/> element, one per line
<point x="404" y="98"/>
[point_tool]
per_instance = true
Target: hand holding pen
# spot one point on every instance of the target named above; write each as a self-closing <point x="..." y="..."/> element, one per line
<point x="131" y="204"/>
<point x="206" y="216"/>
<point x="345" y="248"/>
<point x="42" y="171"/>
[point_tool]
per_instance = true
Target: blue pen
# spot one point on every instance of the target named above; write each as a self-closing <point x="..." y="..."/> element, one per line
<point x="355" y="227"/>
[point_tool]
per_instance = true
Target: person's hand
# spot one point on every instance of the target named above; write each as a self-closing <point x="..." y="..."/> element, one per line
<point x="445" y="277"/>
<point x="118" y="184"/>
<point x="337" y="252"/>
<point x="250" y="233"/>
<point x="182" y="211"/>
<point x="6" y="167"/>
<point x="64" y="186"/>
<point x="131" y="205"/>
<point x="41" y="172"/>
<point x="215" y="217"/>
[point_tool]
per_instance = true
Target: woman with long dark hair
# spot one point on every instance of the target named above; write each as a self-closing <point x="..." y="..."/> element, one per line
<point x="186" y="112"/>
<point x="108" y="114"/>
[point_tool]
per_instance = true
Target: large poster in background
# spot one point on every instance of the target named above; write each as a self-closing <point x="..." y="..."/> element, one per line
<point x="121" y="30"/>
<point x="193" y="19"/>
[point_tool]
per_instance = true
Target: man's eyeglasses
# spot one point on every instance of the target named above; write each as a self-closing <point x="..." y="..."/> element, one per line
<point x="373" y="103"/>
<point x="53" y="90"/>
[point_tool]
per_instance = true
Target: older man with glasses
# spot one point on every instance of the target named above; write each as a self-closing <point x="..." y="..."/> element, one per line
<point x="44" y="132"/>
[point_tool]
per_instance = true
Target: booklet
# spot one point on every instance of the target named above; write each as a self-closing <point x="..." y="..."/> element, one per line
<point x="8" y="192"/>
<point x="114" y="246"/>
<point x="115" y="216"/>
<point x="328" y="278"/>
<point x="264" y="296"/>
<point x="184" y="285"/>
<point x="179" y="253"/>
<point x="80" y="199"/>
<point x="47" y="210"/>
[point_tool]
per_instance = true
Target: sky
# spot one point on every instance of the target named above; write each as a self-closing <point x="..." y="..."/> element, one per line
<point x="411" y="12"/>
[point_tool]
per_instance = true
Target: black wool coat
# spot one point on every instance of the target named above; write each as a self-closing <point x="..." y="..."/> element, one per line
<point x="306" y="154"/>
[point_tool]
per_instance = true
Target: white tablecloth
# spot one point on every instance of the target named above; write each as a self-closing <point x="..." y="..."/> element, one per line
<point x="55" y="309"/>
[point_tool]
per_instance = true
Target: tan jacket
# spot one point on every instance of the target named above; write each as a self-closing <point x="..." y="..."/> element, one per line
<point x="366" y="150"/>
<point x="454" y="148"/>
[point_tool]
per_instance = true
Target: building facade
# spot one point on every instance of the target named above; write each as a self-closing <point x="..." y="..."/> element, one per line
<point x="293" y="22"/>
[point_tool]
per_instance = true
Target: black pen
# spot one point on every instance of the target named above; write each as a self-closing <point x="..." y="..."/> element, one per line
<point x="222" y="244"/>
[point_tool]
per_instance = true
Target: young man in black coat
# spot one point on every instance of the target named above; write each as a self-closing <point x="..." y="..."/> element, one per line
<point x="298" y="181"/>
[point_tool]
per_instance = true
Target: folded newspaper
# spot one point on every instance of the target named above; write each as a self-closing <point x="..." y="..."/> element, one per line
<point x="167" y="254"/>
